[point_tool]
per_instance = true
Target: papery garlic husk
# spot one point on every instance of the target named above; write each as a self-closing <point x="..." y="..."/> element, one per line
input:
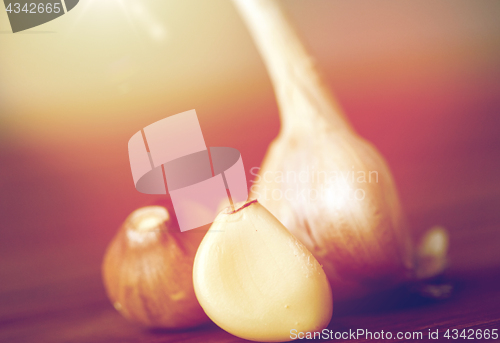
<point x="147" y="271"/>
<point x="356" y="230"/>
<point x="256" y="280"/>
<point x="346" y="210"/>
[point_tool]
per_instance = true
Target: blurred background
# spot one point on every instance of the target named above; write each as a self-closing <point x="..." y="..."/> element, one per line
<point x="419" y="79"/>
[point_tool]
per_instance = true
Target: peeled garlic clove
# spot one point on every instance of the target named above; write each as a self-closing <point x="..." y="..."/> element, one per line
<point x="147" y="271"/>
<point x="258" y="282"/>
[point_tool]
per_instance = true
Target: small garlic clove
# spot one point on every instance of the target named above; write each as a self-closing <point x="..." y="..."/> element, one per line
<point x="256" y="280"/>
<point x="432" y="253"/>
<point x="147" y="271"/>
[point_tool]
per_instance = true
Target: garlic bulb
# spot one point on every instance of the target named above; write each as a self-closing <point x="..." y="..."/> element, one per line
<point x="147" y="271"/>
<point x="326" y="184"/>
<point x="258" y="282"/>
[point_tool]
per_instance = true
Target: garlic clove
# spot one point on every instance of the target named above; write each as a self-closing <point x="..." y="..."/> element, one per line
<point x="147" y="271"/>
<point x="432" y="253"/>
<point x="258" y="282"/>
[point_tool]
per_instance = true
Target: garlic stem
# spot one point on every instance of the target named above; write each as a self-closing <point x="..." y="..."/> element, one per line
<point x="302" y="95"/>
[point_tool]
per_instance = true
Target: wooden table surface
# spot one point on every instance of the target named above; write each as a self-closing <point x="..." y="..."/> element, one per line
<point x="61" y="203"/>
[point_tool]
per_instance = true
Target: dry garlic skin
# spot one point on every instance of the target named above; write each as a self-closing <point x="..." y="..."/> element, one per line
<point x="147" y="271"/>
<point x="256" y="281"/>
